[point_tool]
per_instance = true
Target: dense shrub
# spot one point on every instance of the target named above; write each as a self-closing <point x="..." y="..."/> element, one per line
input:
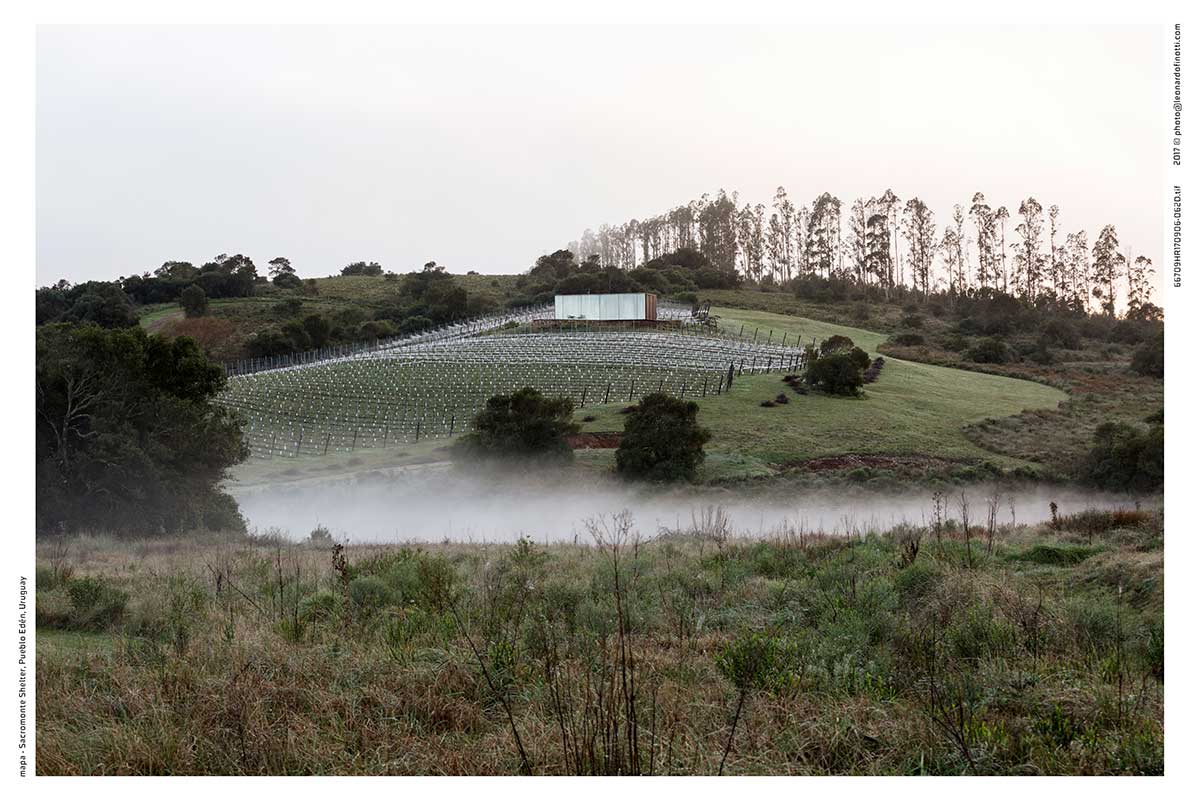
<point x="1125" y="458"/>
<point x="662" y="440"/>
<point x="362" y="268"/>
<point x="840" y="373"/>
<point x="287" y="280"/>
<point x="908" y="339"/>
<point x="95" y="604"/>
<point x="989" y="351"/>
<point x="1061" y="333"/>
<point x="524" y="424"/>
<point x="323" y="605"/>
<point x="1148" y="359"/>
<point x="369" y="594"/>
<point x="415" y="325"/>
<point x="317" y="328"/>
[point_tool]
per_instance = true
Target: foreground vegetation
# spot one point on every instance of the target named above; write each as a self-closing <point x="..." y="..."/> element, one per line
<point x="1006" y="649"/>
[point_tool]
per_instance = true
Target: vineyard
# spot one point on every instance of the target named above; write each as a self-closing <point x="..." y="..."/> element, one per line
<point x="430" y="386"/>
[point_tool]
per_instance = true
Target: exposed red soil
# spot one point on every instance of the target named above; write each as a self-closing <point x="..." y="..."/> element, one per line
<point x="593" y="441"/>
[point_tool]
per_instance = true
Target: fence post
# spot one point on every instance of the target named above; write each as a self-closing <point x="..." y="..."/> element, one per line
<point x="607" y="389"/>
<point x="326" y="451"/>
<point x="704" y="390"/>
<point x="300" y="441"/>
<point x="354" y="441"/>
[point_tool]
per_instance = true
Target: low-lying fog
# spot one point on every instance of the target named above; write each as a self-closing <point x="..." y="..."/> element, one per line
<point x="439" y="505"/>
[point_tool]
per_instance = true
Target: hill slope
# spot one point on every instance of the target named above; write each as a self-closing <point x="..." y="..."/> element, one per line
<point x="914" y="411"/>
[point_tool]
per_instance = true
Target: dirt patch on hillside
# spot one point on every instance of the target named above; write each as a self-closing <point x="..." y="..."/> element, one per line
<point x="831" y="463"/>
<point x="594" y="441"/>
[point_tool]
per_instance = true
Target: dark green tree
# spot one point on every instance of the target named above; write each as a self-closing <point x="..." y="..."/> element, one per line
<point x="662" y="441"/>
<point x="194" y="301"/>
<point x="317" y="328"/>
<point x="128" y="438"/>
<point x="1125" y="458"/>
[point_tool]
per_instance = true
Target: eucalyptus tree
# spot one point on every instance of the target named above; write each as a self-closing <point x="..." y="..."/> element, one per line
<point x="1028" y="261"/>
<point x="921" y="232"/>
<point x="681" y="227"/>
<point x="879" y="251"/>
<point x="985" y="235"/>
<point x="1054" y="276"/>
<point x="857" y="244"/>
<point x="775" y="247"/>
<point x="888" y="203"/>
<point x="951" y="247"/>
<point x="822" y="239"/>
<point x="1075" y="270"/>
<point x="960" y="256"/>
<point x="1106" y="269"/>
<point x="1001" y="218"/>
<point x="785" y="211"/>
<point x="718" y="234"/>
<point x="750" y="240"/>
<point x="801" y="246"/>
<point x="1138" y="277"/>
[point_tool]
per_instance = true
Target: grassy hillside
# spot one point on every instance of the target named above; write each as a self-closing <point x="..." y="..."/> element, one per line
<point x="914" y="410"/>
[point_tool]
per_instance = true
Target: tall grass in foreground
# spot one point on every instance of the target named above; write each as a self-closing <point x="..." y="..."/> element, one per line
<point x="690" y="652"/>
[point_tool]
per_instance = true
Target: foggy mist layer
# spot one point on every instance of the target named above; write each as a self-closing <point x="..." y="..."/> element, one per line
<point x="442" y="505"/>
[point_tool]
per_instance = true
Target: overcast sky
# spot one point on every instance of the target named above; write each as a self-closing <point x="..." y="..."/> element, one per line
<point x="482" y="148"/>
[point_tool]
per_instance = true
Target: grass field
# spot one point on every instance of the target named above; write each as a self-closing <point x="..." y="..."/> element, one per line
<point x="1027" y="651"/>
<point x="913" y="410"/>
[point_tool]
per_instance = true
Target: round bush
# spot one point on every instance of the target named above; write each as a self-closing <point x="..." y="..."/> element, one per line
<point x="990" y="351"/>
<point x="1148" y="359"/>
<point x="662" y="440"/>
<point x="370" y="594"/>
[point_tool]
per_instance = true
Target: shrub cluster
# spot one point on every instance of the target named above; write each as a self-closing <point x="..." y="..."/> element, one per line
<point x="662" y="440"/>
<point x="521" y="425"/>
<point x="1124" y="457"/>
<point x="871" y="374"/>
<point x="838" y="367"/>
<point x="991" y="350"/>
<point x="1148" y="359"/>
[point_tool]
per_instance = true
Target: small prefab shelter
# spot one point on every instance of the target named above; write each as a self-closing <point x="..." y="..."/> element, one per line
<point x="606" y="307"/>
